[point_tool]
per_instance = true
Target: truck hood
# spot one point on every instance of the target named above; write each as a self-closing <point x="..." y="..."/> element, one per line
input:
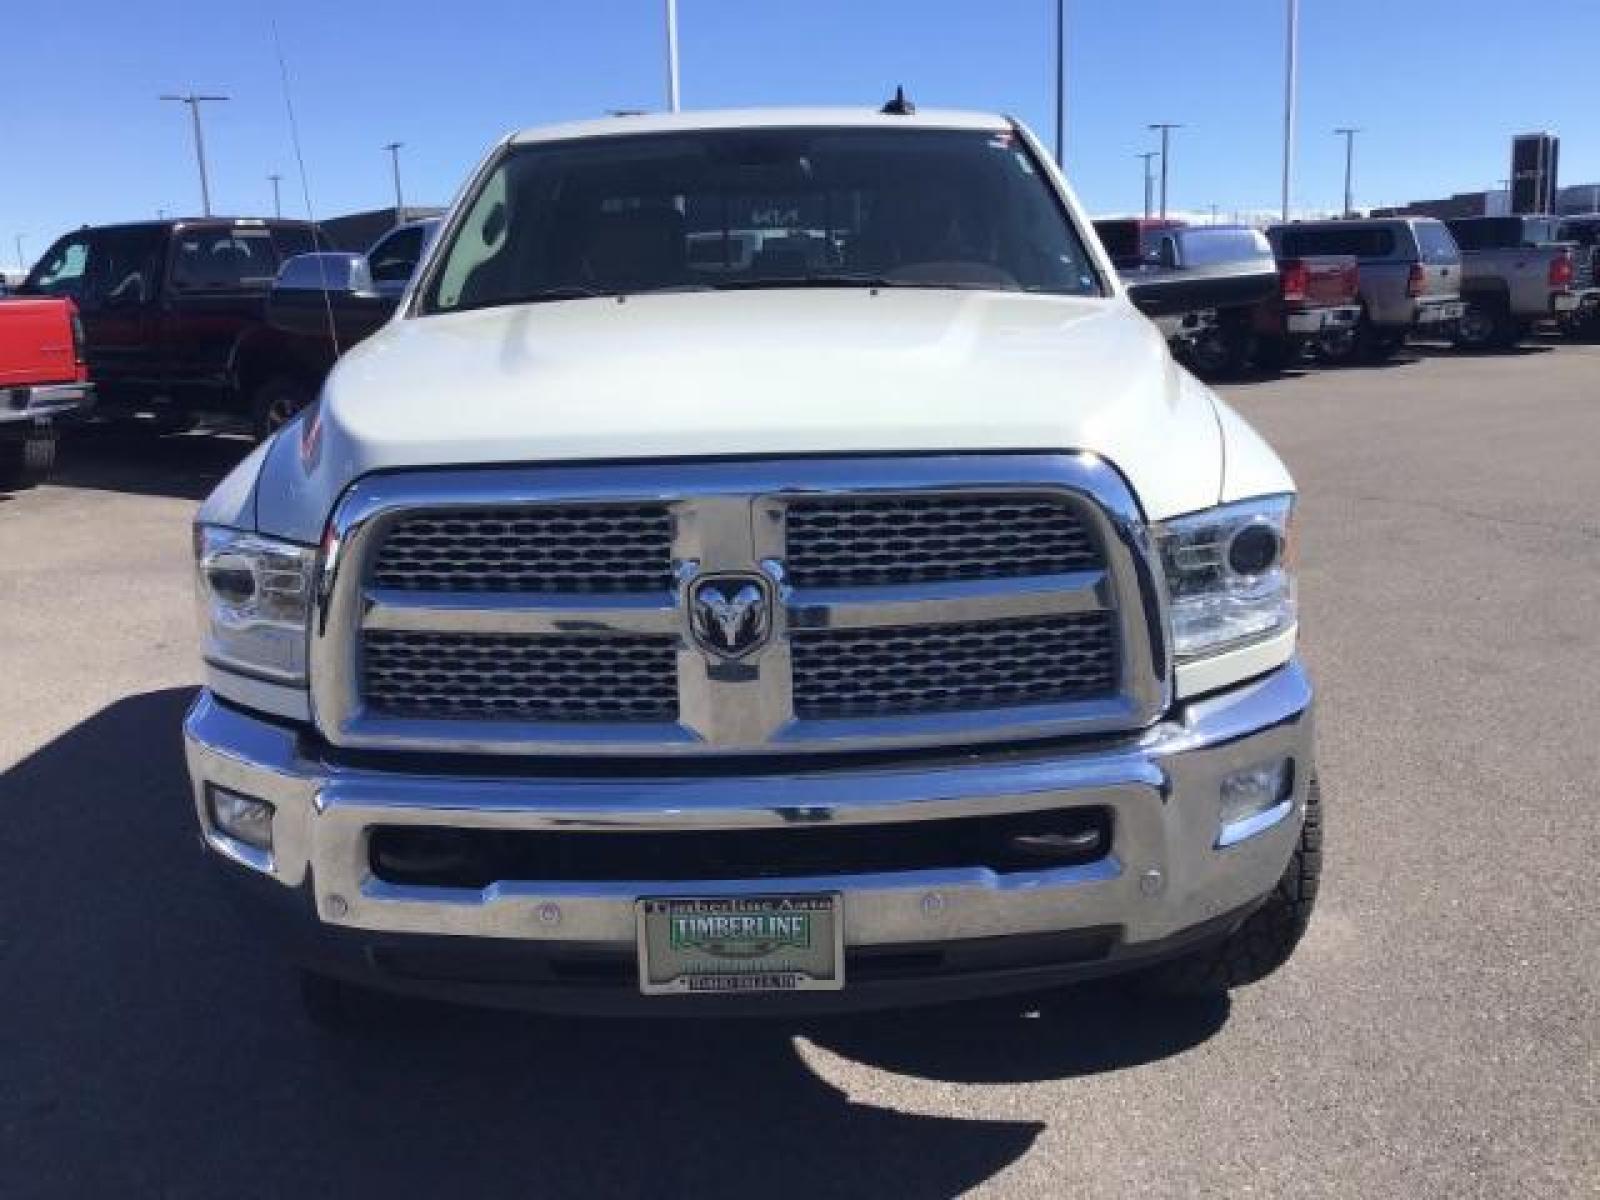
<point x="787" y="372"/>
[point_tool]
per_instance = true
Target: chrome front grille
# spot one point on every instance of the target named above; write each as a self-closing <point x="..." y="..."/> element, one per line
<point x="856" y="541"/>
<point x="946" y="668"/>
<point x="904" y="602"/>
<point x="570" y="548"/>
<point x="553" y="677"/>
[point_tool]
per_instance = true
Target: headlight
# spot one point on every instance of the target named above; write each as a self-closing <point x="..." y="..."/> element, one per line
<point x="1228" y="576"/>
<point x="255" y="601"/>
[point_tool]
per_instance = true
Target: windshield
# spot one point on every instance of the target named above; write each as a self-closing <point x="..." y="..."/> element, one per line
<point x="743" y="208"/>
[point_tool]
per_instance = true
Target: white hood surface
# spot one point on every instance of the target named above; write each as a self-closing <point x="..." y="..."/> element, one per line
<point x="783" y="372"/>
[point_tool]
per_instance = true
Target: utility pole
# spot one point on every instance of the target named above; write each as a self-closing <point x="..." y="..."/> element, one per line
<point x="22" y="260"/>
<point x="1291" y="89"/>
<point x="1149" y="180"/>
<point x="277" y="205"/>
<point x="1214" y="213"/>
<point x="394" y="161"/>
<point x="194" y="102"/>
<point x="1166" y="128"/>
<point x="1061" y="84"/>
<point x="1349" y="136"/>
<point x="672" y="55"/>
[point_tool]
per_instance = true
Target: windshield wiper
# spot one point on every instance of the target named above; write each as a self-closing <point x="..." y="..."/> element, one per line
<point x="571" y="291"/>
<point x="826" y="279"/>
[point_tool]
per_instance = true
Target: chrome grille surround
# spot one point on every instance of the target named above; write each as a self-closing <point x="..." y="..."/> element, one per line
<point x="732" y="517"/>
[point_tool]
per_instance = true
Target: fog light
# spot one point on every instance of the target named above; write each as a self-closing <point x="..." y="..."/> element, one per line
<point x="1254" y="799"/>
<point x="243" y="818"/>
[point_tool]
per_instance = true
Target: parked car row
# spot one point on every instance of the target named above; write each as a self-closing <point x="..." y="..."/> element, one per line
<point x="171" y="320"/>
<point x="1354" y="290"/>
<point x="244" y="317"/>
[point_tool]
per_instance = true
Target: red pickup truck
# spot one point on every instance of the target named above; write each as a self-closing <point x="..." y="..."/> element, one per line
<point x="1317" y="307"/>
<point x="44" y="380"/>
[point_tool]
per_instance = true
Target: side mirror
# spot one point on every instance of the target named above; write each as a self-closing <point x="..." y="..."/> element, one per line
<point x="311" y="288"/>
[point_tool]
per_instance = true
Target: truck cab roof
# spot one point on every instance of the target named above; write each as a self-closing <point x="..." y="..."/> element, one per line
<point x="760" y="118"/>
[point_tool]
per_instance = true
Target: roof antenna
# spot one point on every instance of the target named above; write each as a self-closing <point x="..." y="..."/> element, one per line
<point x="317" y="240"/>
<point x="899" y="106"/>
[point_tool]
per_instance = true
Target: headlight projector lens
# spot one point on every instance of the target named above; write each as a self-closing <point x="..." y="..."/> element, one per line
<point x="1254" y="550"/>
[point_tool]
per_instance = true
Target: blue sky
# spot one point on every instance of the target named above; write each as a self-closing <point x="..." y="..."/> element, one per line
<point x="1438" y="85"/>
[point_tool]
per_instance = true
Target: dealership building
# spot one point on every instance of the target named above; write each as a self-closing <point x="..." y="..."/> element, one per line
<point x="1531" y="188"/>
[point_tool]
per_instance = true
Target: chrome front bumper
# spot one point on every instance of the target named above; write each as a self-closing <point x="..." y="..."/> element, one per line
<point x="1171" y="868"/>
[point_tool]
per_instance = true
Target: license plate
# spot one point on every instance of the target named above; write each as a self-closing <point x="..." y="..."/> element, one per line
<point x="1566" y="302"/>
<point x="735" y="944"/>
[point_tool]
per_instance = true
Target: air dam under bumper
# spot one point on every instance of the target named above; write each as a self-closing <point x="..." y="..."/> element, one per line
<point x="1170" y="876"/>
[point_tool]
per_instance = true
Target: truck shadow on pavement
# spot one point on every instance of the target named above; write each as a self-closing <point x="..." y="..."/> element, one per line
<point x="185" y="466"/>
<point x="150" y="1047"/>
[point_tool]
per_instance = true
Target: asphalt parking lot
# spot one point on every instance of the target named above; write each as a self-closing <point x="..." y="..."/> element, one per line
<point x="1437" y="1035"/>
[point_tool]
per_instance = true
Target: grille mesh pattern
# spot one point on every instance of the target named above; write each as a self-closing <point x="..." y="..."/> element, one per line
<point x="883" y="540"/>
<point x="520" y="677"/>
<point x="943" y="668"/>
<point x="552" y="548"/>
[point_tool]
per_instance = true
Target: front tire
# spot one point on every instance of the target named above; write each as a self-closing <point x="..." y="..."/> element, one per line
<point x="1268" y="936"/>
<point x="277" y="402"/>
<point x="27" y="460"/>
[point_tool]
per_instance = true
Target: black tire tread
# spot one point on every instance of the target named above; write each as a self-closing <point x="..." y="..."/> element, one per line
<point x="27" y="461"/>
<point x="1268" y="936"/>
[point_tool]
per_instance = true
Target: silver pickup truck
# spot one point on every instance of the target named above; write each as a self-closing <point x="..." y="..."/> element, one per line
<point x="1516" y="272"/>
<point x="1410" y="276"/>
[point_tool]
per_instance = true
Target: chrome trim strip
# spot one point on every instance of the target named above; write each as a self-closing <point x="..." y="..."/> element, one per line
<point x="472" y="612"/>
<point x="952" y="602"/>
<point x="1235" y="832"/>
<point x="729" y="517"/>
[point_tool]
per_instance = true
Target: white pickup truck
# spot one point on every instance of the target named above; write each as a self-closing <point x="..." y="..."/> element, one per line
<point x="873" y="617"/>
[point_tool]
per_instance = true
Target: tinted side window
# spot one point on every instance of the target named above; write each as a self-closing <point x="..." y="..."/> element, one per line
<point x="1121" y="240"/>
<point x="1362" y="241"/>
<point x="1435" y="243"/>
<point x="1585" y="233"/>
<point x="64" y="269"/>
<point x="212" y="259"/>
<point x="122" y="266"/>
<point x="395" y="257"/>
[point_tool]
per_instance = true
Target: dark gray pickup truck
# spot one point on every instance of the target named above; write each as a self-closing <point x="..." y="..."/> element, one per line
<point x="1515" y="273"/>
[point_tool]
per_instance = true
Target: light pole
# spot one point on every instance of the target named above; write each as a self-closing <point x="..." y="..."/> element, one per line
<point x="194" y="102"/>
<point x="277" y="205"/>
<point x="1349" y="135"/>
<point x="1166" y="128"/>
<point x="394" y="161"/>
<point x="22" y="261"/>
<point x="672" y="55"/>
<point x="1149" y="179"/>
<point x="1061" y="83"/>
<point x="1291" y="88"/>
